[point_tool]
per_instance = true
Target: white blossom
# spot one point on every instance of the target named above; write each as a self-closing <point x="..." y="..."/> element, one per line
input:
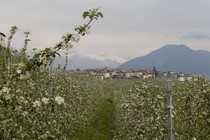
<point x="75" y="38"/>
<point x="5" y="89"/>
<point x="45" y="100"/>
<point x="22" y="76"/>
<point x="19" y="71"/>
<point x="7" y="96"/>
<point x="59" y="100"/>
<point x="36" y="104"/>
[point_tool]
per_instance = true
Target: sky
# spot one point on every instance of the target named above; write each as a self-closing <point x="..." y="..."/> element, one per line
<point x="130" y="28"/>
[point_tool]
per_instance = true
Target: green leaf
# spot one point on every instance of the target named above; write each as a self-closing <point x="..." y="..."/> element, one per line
<point x="58" y="54"/>
<point x="85" y="14"/>
<point x="100" y="14"/>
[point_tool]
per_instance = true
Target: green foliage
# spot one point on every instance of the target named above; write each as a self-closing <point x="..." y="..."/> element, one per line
<point x="24" y="49"/>
<point x="28" y="111"/>
<point x="142" y="112"/>
<point x="191" y="108"/>
<point x="93" y="14"/>
<point x="37" y="102"/>
<point x="13" y="30"/>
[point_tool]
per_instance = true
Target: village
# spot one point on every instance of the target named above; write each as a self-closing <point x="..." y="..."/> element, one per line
<point x="123" y="73"/>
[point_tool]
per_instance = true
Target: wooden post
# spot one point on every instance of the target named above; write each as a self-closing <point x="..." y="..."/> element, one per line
<point x="170" y="109"/>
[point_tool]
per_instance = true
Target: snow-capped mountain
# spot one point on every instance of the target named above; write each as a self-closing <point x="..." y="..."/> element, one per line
<point x="89" y="61"/>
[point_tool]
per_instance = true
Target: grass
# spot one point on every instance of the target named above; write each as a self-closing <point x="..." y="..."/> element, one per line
<point x="102" y="126"/>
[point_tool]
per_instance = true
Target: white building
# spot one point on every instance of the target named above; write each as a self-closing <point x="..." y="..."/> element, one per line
<point x="182" y="79"/>
<point x="2" y="39"/>
<point x="189" y="78"/>
<point x="106" y="75"/>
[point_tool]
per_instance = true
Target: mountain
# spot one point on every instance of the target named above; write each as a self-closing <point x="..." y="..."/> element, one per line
<point x="85" y="61"/>
<point x="179" y="58"/>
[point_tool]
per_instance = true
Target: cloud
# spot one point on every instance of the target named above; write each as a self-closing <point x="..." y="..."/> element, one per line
<point x="196" y="36"/>
<point x="129" y="28"/>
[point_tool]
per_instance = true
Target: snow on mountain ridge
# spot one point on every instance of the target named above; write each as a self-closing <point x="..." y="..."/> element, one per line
<point x="100" y="57"/>
<point x="107" y="57"/>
